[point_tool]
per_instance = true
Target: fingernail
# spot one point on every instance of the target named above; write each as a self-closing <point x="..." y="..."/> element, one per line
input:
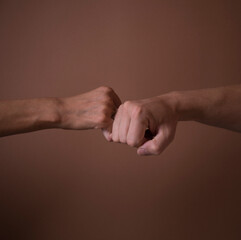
<point x="141" y="151"/>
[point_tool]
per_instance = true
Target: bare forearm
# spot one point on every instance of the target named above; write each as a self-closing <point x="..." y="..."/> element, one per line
<point x="19" y="116"/>
<point x="89" y="110"/>
<point x="219" y="107"/>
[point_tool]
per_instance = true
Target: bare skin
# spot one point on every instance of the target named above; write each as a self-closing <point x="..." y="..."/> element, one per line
<point x="89" y="110"/>
<point x="220" y="107"/>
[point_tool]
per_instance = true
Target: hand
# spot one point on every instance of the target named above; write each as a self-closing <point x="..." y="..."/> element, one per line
<point x="93" y="109"/>
<point x="135" y="117"/>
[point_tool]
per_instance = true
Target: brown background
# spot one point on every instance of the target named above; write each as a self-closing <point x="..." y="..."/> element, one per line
<point x="57" y="184"/>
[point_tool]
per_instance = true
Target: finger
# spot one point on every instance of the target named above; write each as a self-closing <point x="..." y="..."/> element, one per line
<point x="124" y="126"/>
<point x="111" y="109"/>
<point x="116" y="123"/>
<point x="107" y="132"/>
<point x="158" y="144"/>
<point x="112" y="106"/>
<point x="116" y="99"/>
<point x="103" y="115"/>
<point x="136" y="133"/>
<point x="113" y="112"/>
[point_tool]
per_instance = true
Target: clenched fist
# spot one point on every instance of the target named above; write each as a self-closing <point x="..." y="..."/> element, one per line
<point x="135" y="118"/>
<point x="89" y="110"/>
<point x="93" y="109"/>
<point x="158" y="116"/>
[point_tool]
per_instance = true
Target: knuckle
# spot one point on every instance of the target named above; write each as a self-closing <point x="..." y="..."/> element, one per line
<point x="115" y="138"/>
<point x="106" y="89"/>
<point x="102" y="119"/>
<point x="137" y="111"/>
<point x="122" y="139"/>
<point x="120" y="107"/>
<point x="107" y="102"/>
<point x="127" y="104"/>
<point x="156" y="149"/>
<point x="104" y="109"/>
<point x="132" y="142"/>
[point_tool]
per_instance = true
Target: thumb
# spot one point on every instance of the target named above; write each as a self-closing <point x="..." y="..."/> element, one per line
<point x="158" y="144"/>
<point x="107" y="131"/>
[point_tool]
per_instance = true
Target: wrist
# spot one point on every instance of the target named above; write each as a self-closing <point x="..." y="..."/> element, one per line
<point x="171" y="101"/>
<point x="61" y="112"/>
<point x="50" y="116"/>
<point x="184" y="105"/>
<point x="188" y="105"/>
<point x="71" y="112"/>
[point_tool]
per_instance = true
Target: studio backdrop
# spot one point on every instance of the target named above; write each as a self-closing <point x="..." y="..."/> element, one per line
<point x="69" y="185"/>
